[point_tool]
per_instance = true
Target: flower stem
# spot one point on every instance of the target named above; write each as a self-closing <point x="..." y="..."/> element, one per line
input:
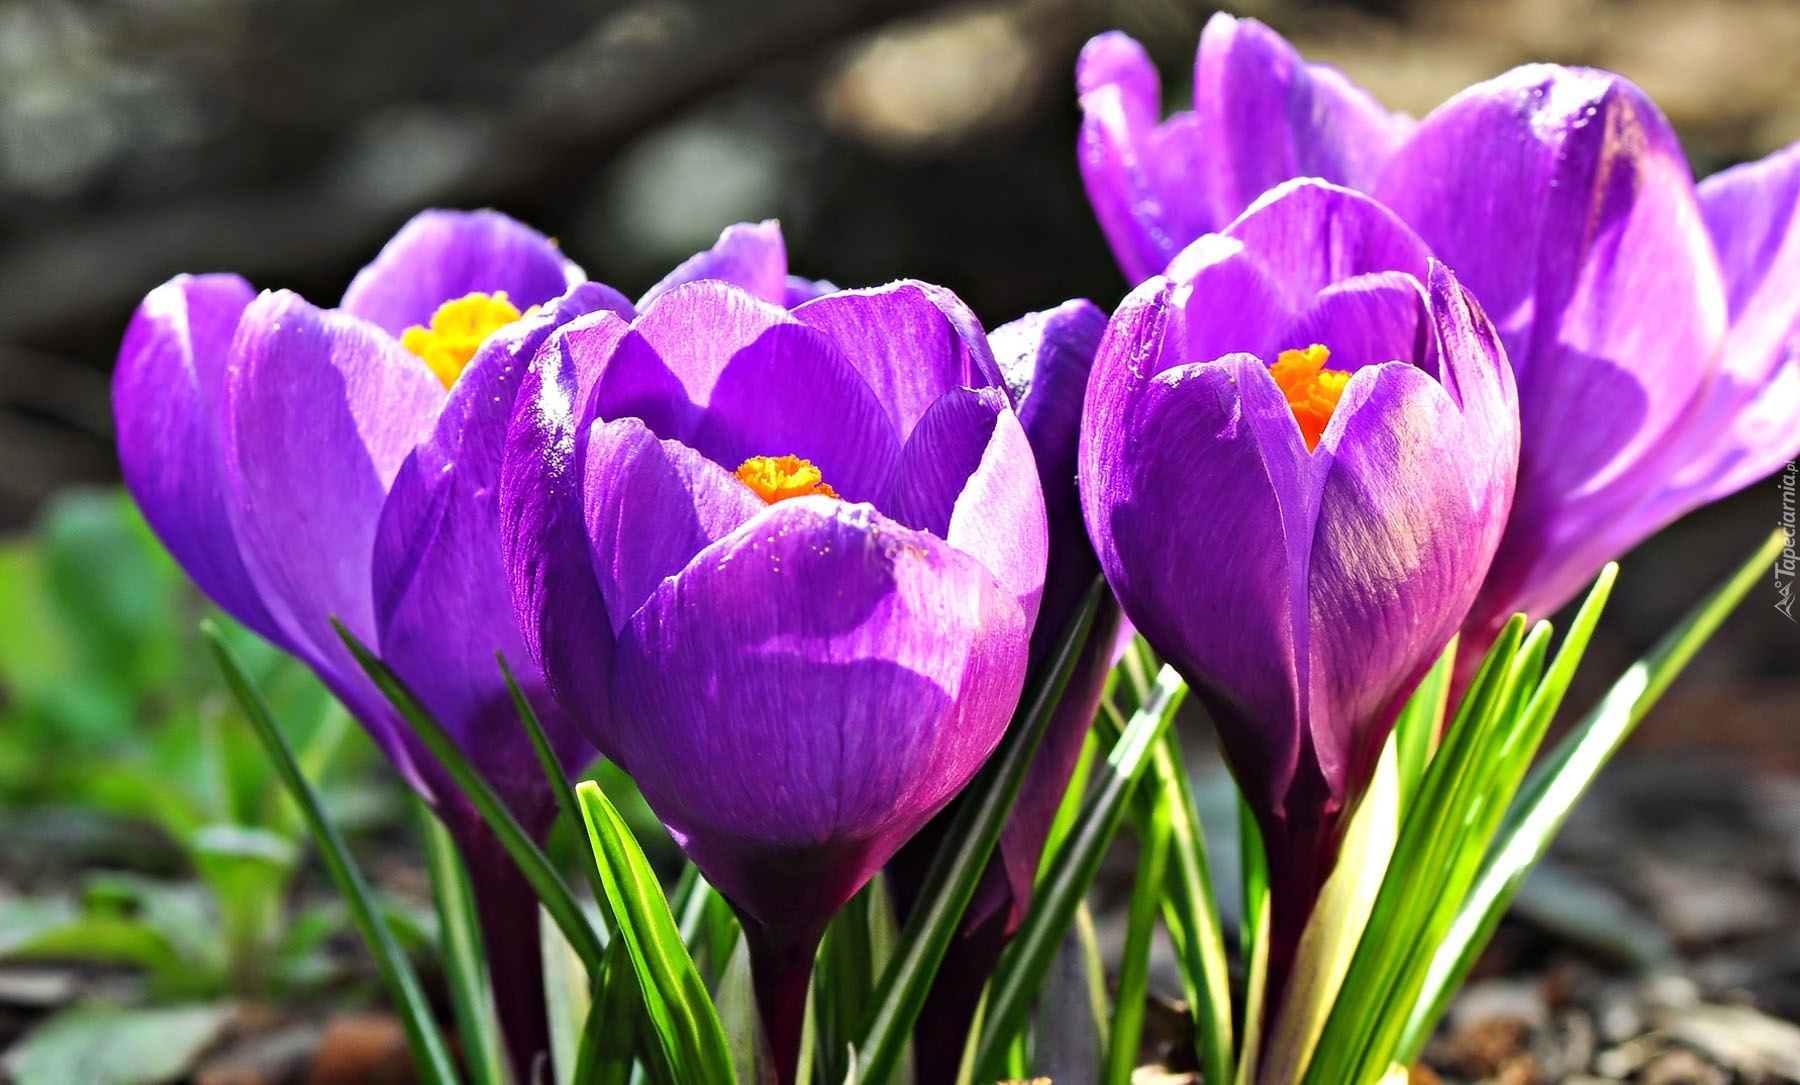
<point x="507" y="910"/>
<point x="781" y="964"/>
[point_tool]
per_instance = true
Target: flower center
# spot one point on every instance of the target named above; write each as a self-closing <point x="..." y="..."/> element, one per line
<point x="457" y="330"/>
<point x="1312" y="391"/>
<point x="777" y="478"/>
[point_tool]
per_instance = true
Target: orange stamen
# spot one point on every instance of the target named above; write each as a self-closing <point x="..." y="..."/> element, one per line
<point x="1312" y="391"/>
<point x="777" y="478"/>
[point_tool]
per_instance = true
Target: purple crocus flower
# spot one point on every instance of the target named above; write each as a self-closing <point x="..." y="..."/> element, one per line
<point x="1261" y="116"/>
<point x="304" y="464"/>
<point x="1297" y="454"/>
<point x="1652" y="327"/>
<point x="1652" y="324"/>
<point x="1045" y="357"/>
<point x="782" y="567"/>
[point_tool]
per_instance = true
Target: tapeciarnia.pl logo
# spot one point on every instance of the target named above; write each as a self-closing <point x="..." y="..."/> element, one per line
<point x="1787" y="565"/>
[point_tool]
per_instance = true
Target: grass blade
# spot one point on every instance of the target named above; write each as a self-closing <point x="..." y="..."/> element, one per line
<point x="1333" y="932"/>
<point x="559" y="782"/>
<point x="1023" y="967"/>
<point x="1134" y="967"/>
<point x="465" y="963"/>
<point x="1543" y="803"/>
<point x="430" y="1054"/>
<point x="1408" y="894"/>
<point x="953" y="876"/>
<point x="1253" y="936"/>
<point x="1192" y="914"/>
<point x="1422" y="721"/>
<point x="544" y="880"/>
<point x="675" y="998"/>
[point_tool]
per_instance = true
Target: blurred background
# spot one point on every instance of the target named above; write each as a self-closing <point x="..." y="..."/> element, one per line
<point x="286" y="141"/>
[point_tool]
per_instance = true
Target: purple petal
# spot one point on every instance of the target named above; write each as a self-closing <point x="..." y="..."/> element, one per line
<point x="750" y="256"/>
<point x="800" y="291"/>
<point x="167" y="394"/>
<point x="1368" y="320"/>
<point x="943" y="452"/>
<point x="1187" y="524"/>
<point x="1047" y="357"/>
<point x="447" y="612"/>
<point x="911" y="341"/>
<point x="733" y="378"/>
<point x="967" y="476"/>
<point x="793" y="393"/>
<point x="1134" y="170"/>
<point x="1750" y="213"/>
<point x="442" y="599"/>
<point x="1564" y="202"/>
<point x="557" y="601"/>
<point x="1760" y="437"/>
<point x="1763" y="435"/>
<point x="1312" y="235"/>
<point x="1227" y="302"/>
<point x="439" y="256"/>
<point x="651" y="506"/>
<point x="665" y="370"/>
<point x="320" y="411"/>
<point x="999" y="517"/>
<point x="746" y="685"/>
<point x="1409" y="516"/>
<point x="1476" y="372"/>
<point x="1737" y="436"/>
<point x="1265" y="116"/>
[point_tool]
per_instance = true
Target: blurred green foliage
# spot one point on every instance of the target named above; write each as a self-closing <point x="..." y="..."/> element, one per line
<point x="118" y="732"/>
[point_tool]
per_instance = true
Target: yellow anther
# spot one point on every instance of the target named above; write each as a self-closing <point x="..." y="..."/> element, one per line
<point x="458" y="329"/>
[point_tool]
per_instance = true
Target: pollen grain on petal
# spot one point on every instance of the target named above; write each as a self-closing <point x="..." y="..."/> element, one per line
<point x="1312" y="391"/>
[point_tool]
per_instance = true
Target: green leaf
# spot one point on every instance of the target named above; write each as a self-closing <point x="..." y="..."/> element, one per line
<point x="558" y="780"/>
<point x="1329" y="940"/>
<point x="680" y="1010"/>
<point x="118" y="590"/>
<point x="460" y="949"/>
<point x="56" y="930"/>
<point x="1254" y="939"/>
<point x="112" y="1045"/>
<point x="1134" y="962"/>
<point x="611" y="1034"/>
<point x="1427" y="849"/>
<point x="1191" y="913"/>
<point x="551" y="890"/>
<point x="1421" y="721"/>
<point x="1543" y="803"/>
<point x="430" y="1054"/>
<point x="249" y="871"/>
<point x="949" y="885"/>
<point x="738" y="1014"/>
<point x="844" y="980"/>
<point x="1464" y="794"/>
<point x="1072" y="796"/>
<point x="1023" y="966"/>
<point x="36" y="655"/>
